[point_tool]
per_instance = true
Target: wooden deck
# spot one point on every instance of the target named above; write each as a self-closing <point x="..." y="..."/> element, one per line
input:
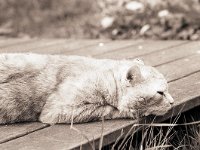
<point x="179" y="61"/>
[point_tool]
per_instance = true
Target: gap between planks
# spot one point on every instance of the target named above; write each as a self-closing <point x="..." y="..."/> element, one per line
<point x="24" y="133"/>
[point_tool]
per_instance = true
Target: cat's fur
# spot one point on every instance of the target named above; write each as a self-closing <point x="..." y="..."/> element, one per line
<point x="56" y="88"/>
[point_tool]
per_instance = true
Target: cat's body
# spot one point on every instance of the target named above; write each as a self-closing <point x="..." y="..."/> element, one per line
<point x="55" y="89"/>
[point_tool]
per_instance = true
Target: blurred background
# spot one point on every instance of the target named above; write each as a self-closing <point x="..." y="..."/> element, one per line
<point x="113" y="19"/>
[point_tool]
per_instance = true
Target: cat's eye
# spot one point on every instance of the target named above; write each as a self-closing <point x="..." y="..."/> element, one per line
<point x="160" y="92"/>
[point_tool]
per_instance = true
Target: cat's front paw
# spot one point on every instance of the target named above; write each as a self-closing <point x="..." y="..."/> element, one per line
<point x="54" y="118"/>
<point x="48" y="119"/>
<point x="124" y="114"/>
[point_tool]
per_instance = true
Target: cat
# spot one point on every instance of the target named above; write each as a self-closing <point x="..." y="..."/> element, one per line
<point x="60" y="89"/>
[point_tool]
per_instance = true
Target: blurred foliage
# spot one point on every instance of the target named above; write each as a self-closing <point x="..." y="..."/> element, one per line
<point x="46" y="18"/>
<point x="156" y="19"/>
<point x="115" y="19"/>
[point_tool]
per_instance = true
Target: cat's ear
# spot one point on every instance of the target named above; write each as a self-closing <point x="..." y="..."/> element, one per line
<point x="134" y="75"/>
<point x="139" y="61"/>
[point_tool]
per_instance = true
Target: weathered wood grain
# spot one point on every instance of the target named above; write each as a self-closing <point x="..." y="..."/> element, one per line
<point x="62" y="137"/>
<point x="180" y="68"/>
<point x="8" y="132"/>
<point x="104" y="47"/>
<point x="172" y="54"/>
<point x="30" y="45"/>
<point x="140" y="49"/>
<point x="162" y="56"/>
<point x="71" y="45"/>
<point x="4" y="42"/>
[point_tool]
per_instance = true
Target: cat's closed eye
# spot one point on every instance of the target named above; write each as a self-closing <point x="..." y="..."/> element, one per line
<point x="160" y="92"/>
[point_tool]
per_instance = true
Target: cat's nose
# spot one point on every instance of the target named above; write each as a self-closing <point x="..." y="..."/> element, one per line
<point x="169" y="98"/>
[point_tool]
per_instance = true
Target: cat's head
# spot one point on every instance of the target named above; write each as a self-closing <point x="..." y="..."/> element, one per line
<point x="145" y="91"/>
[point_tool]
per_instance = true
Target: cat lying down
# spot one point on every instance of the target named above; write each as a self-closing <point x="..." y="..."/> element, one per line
<point x="56" y="88"/>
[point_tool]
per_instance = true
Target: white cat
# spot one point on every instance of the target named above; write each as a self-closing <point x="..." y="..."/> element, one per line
<point x="57" y="88"/>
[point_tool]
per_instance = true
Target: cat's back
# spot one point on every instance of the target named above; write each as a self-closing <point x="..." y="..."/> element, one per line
<point x="24" y="86"/>
<point x="27" y="80"/>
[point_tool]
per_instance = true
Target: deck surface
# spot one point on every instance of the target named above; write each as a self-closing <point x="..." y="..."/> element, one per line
<point x="179" y="61"/>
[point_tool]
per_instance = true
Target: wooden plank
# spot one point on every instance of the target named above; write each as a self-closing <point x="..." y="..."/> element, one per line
<point x="177" y="88"/>
<point x="4" y="42"/>
<point x="180" y="68"/>
<point x="140" y="49"/>
<point x="104" y="47"/>
<point x="31" y="45"/>
<point x="172" y="54"/>
<point x="72" y="45"/>
<point x="8" y="132"/>
<point x="62" y="137"/>
<point x="166" y="55"/>
<point x="54" y="140"/>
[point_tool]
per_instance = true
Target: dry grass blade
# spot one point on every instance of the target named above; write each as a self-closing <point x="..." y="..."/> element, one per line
<point x="121" y="135"/>
<point x="101" y="139"/>
<point x="78" y="131"/>
<point x="181" y="146"/>
<point x="129" y="133"/>
<point x="156" y="147"/>
<point x="168" y="124"/>
<point x="130" y="147"/>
